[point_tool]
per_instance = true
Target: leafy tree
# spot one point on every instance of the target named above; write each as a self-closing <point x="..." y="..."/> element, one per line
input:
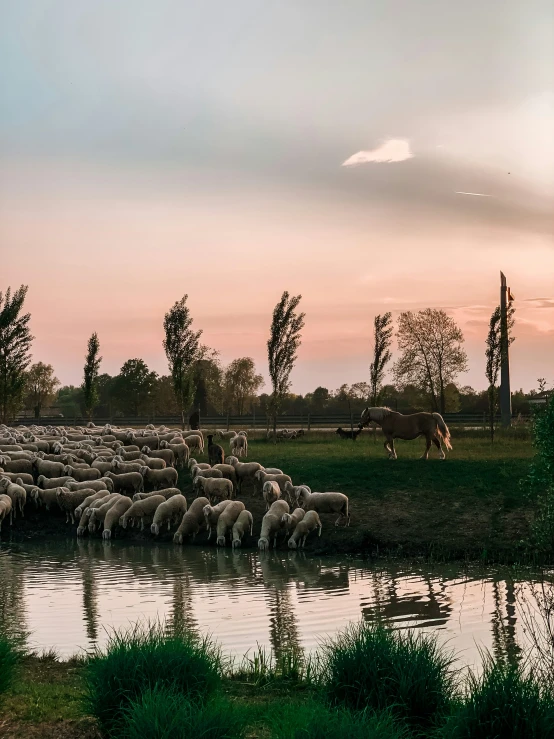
<point x="382" y="339"/>
<point x="282" y="345"/>
<point x="90" y="382"/>
<point x="165" y="403"/>
<point x="134" y="386"/>
<point x="493" y="356"/>
<point x="69" y="400"/>
<point x="430" y="343"/>
<point x="319" y="399"/>
<point x="15" y="342"/>
<point x="183" y="350"/>
<point x="208" y="382"/>
<point x="40" y="386"/>
<point x="105" y="386"/>
<point x="241" y="384"/>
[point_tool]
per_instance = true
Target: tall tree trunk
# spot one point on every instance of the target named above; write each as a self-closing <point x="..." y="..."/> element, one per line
<point x="491" y="411"/>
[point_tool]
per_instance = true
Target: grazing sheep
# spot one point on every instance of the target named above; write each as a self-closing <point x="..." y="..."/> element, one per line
<point x="262" y="477"/>
<point x="89" y="500"/>
<point x="270" y="492"/>
<point x="290" y="520"/>
<point x="172" y="511"/>
<point x="69" y="500"/>
<point x="17" y="494"/>
<point x="180" y="451"/>
<point x="213" y="488"/>
<point x="243" y="525"/>
<point x="195" y="442"/>
<point x="129" y="482"/>
<point x="293" y="491"/>
<point x="6" y="508"/>
<point x="166" y="492"/>
<point x="245" y="470"/>
<point x="212" y="514"/>
<point x="228" y="471"/>
<point x="82" y="475"/>
<point x="121" y="467"/>
<point x="85" y="515"/>
<point x="193" y="520"/>
<point x="239" y="446"/>
<point x="48" y="469"/>
<point x="272" y="470"/>
<point x="98" y="514"/>
<point x="326" y="503"/>
<point x="104" y="483"/>
<point x="167" y="455"/>
<point x="141" y="510"/>
<point x="309" y="523"/>
<point x="165" y="478"/>
<point x="272" y="524"/>
<point x="152" y="462"/>
<point x="227" y="519"/>
<point x="111" y="519"/>
<point x="216" y="455"/>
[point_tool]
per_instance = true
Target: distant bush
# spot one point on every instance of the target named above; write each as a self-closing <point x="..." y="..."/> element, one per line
<point x="505" y="703"/>
<point x="374" y="667"/>
<point x="540" y="480"/>
<point x="143" y="658"/>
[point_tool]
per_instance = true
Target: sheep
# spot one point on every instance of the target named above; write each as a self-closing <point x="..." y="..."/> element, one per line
<point x="82" y="475"/>
<point x="46" y="498"/>
<point x="104" y="483"/>
<point x="48" y="469"/>
<point x="167" y="455"/>
<point x="29" y="489"/>
<point x="271" y="492"/>
<point x="262" y="477"/>
<point x="212" y="514"/>
<point x="121" y="467"/>
<point x="6" y="508"/>
<point x="100" y="464"/>
<point x="180" y="451"/>
<point x="132" y="482"/>
<point x="216" y="455"/>
<point x="227" y="519"/>
<point x="15" y="476"/>
<point x="70" y="500"/>
<point x="213" y="488"/>
<point x="290" y="520"/>
<point x="98" y="513"/>
<point x="166" y="492"/>
<point x="193" y="520"/>
<point x="239" y="446"/>
<point x="17" y="494"/>
<point x="244" y="524"/>
<point x="195" y="443"/>
<point x="141" y="510"/>
<point x="114" y="513"/>
<point x="171" y="510"/>
<point x="17" y="465"/>
<point x="160" y="478"/>
<point x="98" y="495"/>
<point x="244" y="470"/>
<point x="272" y="524"/>
<point x="326" y="503"/>
<point x="197" y="472"/>
<point x="87" y="512"/>
<point x="228" y="471"/>
<point x="153" y="463"/>
<point x="130" y="456"/>
<point x="293" y="491"/>
<point x="272" y="470"/>
<point x="309" y="523"/>
<point x="193" y="463"/>
<point x="48" y="483"/>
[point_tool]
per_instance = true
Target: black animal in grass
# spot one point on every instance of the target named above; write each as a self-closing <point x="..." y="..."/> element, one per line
<point x="348" y="434"/>
<point x="216" y="455"/>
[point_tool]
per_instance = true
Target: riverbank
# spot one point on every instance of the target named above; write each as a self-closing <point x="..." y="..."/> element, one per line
<point x="468" y="507"/>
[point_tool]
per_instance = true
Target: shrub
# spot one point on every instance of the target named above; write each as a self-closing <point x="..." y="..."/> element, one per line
<point x="313" y="720"/>
<point x="540" y="479"/>
<point x="374" y="667"/>
<point x="10" y="654"/>
<point x="160" y="713"/>
<point x="505" y="703"/>
<point x="142" y="658"/>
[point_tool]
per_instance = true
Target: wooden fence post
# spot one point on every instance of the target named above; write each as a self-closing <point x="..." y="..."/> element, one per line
<point x="309" y="422"/>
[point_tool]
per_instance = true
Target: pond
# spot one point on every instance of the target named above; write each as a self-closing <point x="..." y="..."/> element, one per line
<point x="68" y="594"/>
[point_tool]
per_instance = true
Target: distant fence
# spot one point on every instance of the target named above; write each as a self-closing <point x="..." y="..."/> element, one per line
<point x="307" y="421"/>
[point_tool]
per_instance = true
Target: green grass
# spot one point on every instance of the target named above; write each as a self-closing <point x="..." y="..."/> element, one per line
<point x="371" y="666"/>
<point x="263" y="669"/>
<point x="145" y="657"/>
<point x="10" y="655"/>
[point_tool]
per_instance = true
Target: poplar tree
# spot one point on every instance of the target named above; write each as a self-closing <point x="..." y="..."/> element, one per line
<point x="15" y="343"/>
<point x="493" y="357"/>
<point x="382" y="335"/>
<point x="90" y="382"/>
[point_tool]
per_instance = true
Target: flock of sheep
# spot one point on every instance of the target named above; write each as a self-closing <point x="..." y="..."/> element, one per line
<point x="104" y="477"/>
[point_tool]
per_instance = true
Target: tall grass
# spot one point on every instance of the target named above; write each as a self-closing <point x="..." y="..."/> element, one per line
<point x="264" y="668"/>
<point x="313" y="720"/>
<point x="161" y="713"/>
<point x="374" y="667"/>
<point x="10" y="655"/>
<point x="146" y="657"/>
<point x="504" y="703"/>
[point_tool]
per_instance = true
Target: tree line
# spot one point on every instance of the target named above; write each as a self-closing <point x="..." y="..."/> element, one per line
<point x="430" y="359"/>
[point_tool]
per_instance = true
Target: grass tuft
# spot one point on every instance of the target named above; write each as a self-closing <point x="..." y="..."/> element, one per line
<point x="263" y="668"/>
<point x="11" y="653"/>
<point x="144" y="657"/>
<point x="374" y="667"/>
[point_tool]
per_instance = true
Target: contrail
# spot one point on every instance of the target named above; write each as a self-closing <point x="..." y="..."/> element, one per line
<point x="477" y="194"/>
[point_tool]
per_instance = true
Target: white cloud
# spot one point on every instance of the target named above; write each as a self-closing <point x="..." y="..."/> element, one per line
<point x="392" y="150"/>
<point x="477" y="194"/>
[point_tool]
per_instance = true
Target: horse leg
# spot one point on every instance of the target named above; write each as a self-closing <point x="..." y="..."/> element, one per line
<point x="437" y="443"/>
<point x="425" y="454"/>
<point x="387" y="447"/>
<point x="393" y="450"/>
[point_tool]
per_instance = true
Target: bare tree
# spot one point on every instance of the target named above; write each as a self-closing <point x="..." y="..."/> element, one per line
<point x="493" y="356"/>
<point x="430" y="343"/>
<point x="282" y="346"/>
<point x="90" y="381"/>
<point x="183" y="350"/>
<point x="15" y="343"/>
<point x="382" y="333"/>
<point x="41" y="386"/>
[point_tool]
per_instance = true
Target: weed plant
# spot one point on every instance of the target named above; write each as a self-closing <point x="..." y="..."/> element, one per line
<point x="10" y="654"/>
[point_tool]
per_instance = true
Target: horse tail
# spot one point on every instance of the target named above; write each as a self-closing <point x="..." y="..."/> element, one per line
<point x="442" y="430"/>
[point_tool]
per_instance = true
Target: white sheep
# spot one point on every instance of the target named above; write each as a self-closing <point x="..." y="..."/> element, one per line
<point x="193" y="520"/>
<point x="195" y="442"/>
<point x="227" y="519"/>
<point x="172" y="511"/>
<point x="166" y="492"/>
<point x="89" y="500"/>
<point x="165" y="478"/>
<point x="245" y="470"/>
<point x="6" y="508"/>
<point x="272" y="524"/>
<point x="270" y="492"/>
<point x="152" y="462"/>
<point x="104" y="483"/>
<point x="212" y="514"/>
<point x="243" y="525"/>
<point x="166" y="454"/>
<point x="290" y="520"/>
<point x="239" y="446"/>
<point x="228" y="471"/>
<point x="309" y="523"/>
<point x="262" y="477"/>
<point x="114" y="513"/>
<point x="128" y="482"/>
<point x="48" y="483"/>
<point x="17" y="494"/>
<point x="69" y="500"/>
<point x="180" y="451"/>
<point x="98" y="514"/>
<point x="212" y="472"/>
<point x="141" y="510"/>
<point x="292" y="492"/>
<point x="85" y="515"/>
<point x="82" y="475"/>
<point x="213" y="488"/>
<point x="326" y="503"/>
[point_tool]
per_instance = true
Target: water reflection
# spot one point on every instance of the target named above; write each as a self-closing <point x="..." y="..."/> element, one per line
<point x="70" y="594"/>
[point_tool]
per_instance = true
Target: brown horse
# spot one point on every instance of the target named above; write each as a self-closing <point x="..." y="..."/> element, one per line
<point x="397" y="426"/>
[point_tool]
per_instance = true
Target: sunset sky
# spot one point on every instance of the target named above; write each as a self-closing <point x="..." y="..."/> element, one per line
<point x="371" y="155"/>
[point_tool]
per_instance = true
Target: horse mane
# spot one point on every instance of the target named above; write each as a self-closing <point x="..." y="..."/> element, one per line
<point x="379" y="413"/>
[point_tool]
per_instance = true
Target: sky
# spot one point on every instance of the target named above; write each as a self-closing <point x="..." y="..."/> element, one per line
<point x="371" y="155"/>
